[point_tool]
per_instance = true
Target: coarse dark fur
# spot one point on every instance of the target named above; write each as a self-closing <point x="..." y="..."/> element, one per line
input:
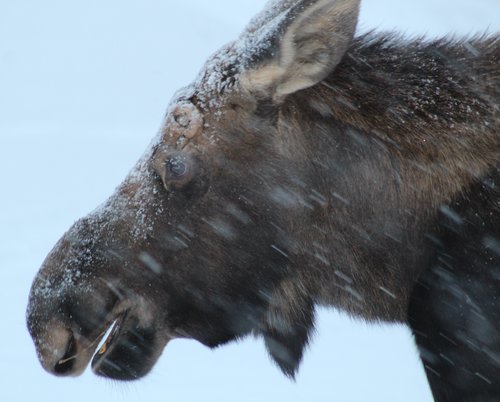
<point x="306" y="169"/>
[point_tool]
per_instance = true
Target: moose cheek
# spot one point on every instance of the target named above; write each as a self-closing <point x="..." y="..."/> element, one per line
<point x="177" y="183"/>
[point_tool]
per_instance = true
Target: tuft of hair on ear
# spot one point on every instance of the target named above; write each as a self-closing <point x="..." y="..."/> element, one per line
<point x="288" y="327"/>
<point x="296" y="44"/>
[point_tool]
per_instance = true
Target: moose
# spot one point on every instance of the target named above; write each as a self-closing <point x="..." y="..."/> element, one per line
<point x="305" y="166"/>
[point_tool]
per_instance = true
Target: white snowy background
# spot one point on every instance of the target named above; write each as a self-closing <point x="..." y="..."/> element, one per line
<point x="83" y="88"/>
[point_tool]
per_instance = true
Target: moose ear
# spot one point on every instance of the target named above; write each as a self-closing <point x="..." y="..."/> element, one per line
<point x="294" y="45"/>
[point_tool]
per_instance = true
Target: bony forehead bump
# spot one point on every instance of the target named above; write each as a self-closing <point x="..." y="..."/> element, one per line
<point x="184" y="122"/>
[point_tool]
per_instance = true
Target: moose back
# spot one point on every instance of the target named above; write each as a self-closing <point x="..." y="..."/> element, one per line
<point x="303" y="167"/>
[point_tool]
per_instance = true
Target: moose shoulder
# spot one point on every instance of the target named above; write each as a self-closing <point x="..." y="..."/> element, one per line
<point x="303" y="167"/>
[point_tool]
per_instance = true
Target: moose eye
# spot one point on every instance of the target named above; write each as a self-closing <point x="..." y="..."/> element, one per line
<point x="176" y="169"/>
<point x="177" y="166"/>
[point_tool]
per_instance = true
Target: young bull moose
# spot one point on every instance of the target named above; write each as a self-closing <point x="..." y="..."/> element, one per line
<point x="303" y="167"/>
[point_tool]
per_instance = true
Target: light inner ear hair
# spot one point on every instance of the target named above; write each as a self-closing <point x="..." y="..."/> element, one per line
<point x="309" y="41"/>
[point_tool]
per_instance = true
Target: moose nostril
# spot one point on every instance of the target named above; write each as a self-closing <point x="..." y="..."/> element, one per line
<point x="66" y="364"/>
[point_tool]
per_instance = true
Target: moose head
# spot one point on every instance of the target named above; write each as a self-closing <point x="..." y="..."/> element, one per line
<point x="198" y="240"/>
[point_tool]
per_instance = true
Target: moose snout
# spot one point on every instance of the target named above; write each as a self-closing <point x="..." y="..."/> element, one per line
<point x="77" y="302"/>
<point x="64" y="318"/>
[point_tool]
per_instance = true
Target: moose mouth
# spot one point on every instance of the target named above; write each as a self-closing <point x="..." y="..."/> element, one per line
<point x="68" y="364"/>
<point x="113" y="331"/>
<point x="111" y="337"/>
<point x="126" y="349"/>
<point x="127" y="352"/>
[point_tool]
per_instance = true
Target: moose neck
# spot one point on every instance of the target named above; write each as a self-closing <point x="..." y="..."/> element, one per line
<point x="386" y="148"/>
<point x="427" y="108"/>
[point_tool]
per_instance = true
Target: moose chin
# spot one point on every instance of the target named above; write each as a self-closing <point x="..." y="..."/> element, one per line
<point x="305" y="166"/>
